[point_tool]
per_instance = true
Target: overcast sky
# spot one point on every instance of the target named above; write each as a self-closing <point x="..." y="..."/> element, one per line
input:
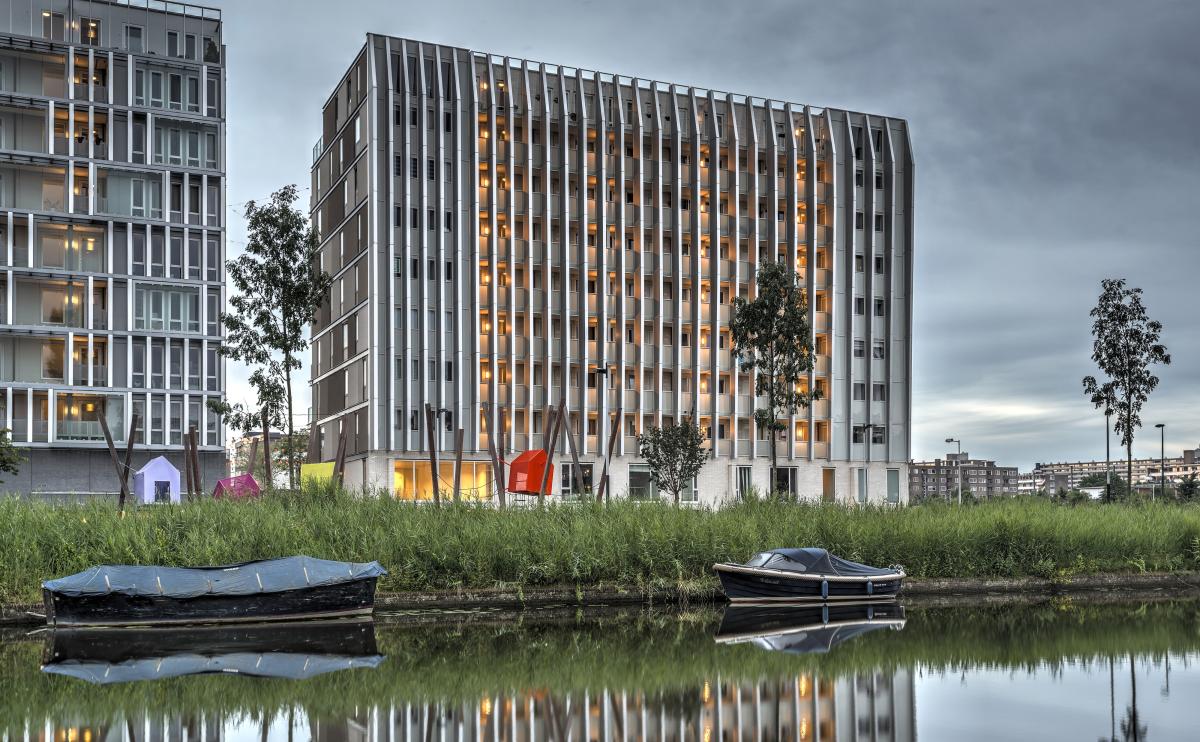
<point x="1056" y="144"/>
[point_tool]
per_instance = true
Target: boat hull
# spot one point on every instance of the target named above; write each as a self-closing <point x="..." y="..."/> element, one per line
<point x="751" y="585"/>
<point x="353" y="598"/>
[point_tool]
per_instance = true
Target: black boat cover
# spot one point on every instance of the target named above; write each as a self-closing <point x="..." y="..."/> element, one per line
<point x="815" y="561"/>
<point x="270" y="665"/>
<point x="249" y="578"/>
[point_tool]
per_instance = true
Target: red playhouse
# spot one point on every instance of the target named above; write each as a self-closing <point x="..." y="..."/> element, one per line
<point x="527" y="472"/>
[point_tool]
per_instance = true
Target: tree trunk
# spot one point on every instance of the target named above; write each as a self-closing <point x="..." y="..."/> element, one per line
<point x="291" y="425"/>
<point x="1129" y="466"/>
<point x="774" y="458"/>
<point x="266" y="433"/>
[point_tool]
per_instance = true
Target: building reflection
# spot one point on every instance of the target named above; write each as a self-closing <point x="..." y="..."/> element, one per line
<point x="198" y="727"/>
<point x="870" y="706"/>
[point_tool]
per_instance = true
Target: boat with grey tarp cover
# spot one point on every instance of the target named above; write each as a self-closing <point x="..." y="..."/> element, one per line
<point x="291" y="588"/>
<point x="805" y="574"/>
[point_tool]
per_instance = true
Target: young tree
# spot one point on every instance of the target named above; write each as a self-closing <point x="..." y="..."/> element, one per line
<point x="1125" y="345"/>
<point x="10" y="457"/>
<point x="772" y="338"/>
<point x="675" y="454"/>
<point x="1189" y="488"/>
<point x="279" y="286"/>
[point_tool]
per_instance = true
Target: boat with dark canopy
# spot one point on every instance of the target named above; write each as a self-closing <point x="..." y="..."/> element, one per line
<point x="286" y="589"/>
<point x="805" y="574"/>
<point x="806" y="629"/>
<point x="294" y="651"/>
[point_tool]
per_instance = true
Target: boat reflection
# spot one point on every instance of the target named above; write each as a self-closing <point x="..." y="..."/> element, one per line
<point x="292" y="650"/>
<point x="806" y="629"/>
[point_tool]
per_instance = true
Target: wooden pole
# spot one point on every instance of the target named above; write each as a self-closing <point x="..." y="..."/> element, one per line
<point x="339" y="460"/>
<point x="266" y="438"/>
<point x="253" y="456"/>
<point x="112" y="451"/>
<point x="133" y="426"/>
<point x="458" y="447"/>
<point x="551" y="445"/>
<point x="612" y="442"/>
<point x="187" y="465"/>
<point x="574" y="450"/>
<point x="497" y="471"/>
<point x="433" y="456"/>
<point x="197" y="477"/>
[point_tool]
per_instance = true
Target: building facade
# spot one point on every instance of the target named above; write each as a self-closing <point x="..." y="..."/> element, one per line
<point x="525" y="235"/>
<point x="940" y="478"/>
<point x="112" y="203"/>
<point x="1069" y="475"/>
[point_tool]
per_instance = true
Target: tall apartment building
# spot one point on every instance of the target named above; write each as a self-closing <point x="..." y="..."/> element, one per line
<point x="112" y="202"/>
<point x="526" y="234"/>
<point x="940" y="478"/>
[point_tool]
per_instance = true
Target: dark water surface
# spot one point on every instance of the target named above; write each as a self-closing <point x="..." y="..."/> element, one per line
<point x="1053" y="670"/>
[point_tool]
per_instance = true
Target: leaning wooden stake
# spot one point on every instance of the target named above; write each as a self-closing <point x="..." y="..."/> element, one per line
<point x="112" y="450"/>
<point x="551" y="446"/>
<point x="253" y="456"/>
<point x="574" y="451"/>
<point x="266" y="438"/>
<point x="497" y="470"/>
<point x="458" y="450"/>
<point x="612" y="442"/>
<point x="434" y="469"/>
<point x="339" y="460"/>
<point x="187" y="466"/>
<point x="197" y="477"/>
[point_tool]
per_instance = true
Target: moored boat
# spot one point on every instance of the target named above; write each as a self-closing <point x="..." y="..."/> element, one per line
<point x="805" y="574"/>
<point x="285" y="589"/>
<point x="812" y="628"/>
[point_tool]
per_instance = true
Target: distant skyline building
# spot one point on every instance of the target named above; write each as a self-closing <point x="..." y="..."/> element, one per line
<point x="522" y="234"/>
<point x="112" y="203"/>
<point x="1069" y="474"/>
<point x="981" y="477"/>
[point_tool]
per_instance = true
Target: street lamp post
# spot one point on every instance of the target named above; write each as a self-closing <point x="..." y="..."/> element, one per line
<point x="1162" y="460"/>
<point x="1107" y="457"/>
<point x="958" y="465"/>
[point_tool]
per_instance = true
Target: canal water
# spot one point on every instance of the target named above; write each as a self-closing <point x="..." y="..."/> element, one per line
<point x="1053" y="670"/>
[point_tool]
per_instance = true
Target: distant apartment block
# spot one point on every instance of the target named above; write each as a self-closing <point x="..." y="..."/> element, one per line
<point x="981" y="477"/>
<point x="112" y="203"/>
<point x="523" y="234"/>
<point x="1069" y="474"/>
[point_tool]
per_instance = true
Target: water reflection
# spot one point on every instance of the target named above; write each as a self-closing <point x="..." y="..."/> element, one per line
<point x="295" y="651"/>
<point x="1049" y="671"/>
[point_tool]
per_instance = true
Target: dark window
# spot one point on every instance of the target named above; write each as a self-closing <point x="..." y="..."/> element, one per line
<point x="859" y="220"/>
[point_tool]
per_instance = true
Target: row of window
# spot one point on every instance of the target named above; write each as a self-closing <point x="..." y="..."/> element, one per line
<point x="91" y="33"/>
<point x="158" y="363"/>
<point x="165" y="423"/>
<point x="878" y="392"/>
<point x="163" y="257"/>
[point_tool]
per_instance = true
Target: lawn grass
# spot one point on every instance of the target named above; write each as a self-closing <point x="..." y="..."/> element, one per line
<point x="427" y="548"/>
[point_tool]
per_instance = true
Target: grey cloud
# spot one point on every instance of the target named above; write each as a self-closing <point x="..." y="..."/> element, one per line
<point x="1055" y="146"/>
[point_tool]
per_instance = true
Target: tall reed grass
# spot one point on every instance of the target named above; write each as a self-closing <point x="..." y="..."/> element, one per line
<point x="588" y="544"/>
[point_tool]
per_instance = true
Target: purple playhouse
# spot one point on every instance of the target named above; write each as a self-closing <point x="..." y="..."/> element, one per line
<point x="156" y="482"/>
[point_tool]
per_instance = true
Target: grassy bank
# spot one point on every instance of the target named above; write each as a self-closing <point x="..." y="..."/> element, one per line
<point x="427" y="548"/>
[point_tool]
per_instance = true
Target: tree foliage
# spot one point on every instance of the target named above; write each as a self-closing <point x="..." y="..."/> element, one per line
<point x="278" y="286"/>
<point x="675" y="454"/>
<point x="1189" y="488"/>
<point x="284" y="450"/>
<point x="1125" y="345"/>
<point x="10" y="456"/>
<point x="773" y="339"/>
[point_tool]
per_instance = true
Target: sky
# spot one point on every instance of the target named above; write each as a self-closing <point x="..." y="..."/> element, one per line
<point x="1055" y="146"/>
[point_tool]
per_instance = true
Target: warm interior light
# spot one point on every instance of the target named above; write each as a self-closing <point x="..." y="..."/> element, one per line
<point x="89" y="407"/>
<point x="91" y="244"/>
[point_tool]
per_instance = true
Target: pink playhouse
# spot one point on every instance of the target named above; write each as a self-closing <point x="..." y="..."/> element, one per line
<point x="237" y="487"/>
